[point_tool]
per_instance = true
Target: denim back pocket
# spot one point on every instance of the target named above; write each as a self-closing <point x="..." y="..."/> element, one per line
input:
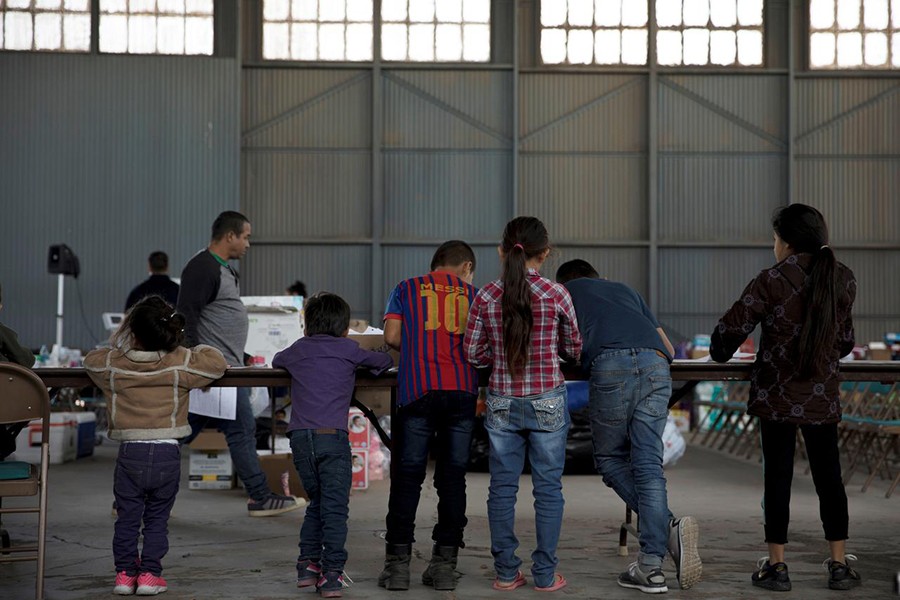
<point x="550" y="412"/>
<point x="608" y="403"/>
<point x="497" y="416"/>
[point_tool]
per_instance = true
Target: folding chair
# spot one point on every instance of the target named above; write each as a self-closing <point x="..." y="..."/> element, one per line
<point x="24" y="397"/>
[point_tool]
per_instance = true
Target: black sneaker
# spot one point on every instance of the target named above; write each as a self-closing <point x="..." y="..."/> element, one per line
<point x="274" y="505"/>
<point x="772" y="577"/>
<point x="331" y="584"/>
<point x="840" y="575"/>
<point x="650" y="582"/>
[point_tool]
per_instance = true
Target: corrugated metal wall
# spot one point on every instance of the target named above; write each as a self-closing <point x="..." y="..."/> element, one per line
<point x="676" y="203"/>
<point x="116" y="156"/>
<point x="353" y="173"/>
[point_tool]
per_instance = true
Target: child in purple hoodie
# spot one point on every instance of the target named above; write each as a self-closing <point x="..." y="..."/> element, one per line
<point x="323" y="374"/>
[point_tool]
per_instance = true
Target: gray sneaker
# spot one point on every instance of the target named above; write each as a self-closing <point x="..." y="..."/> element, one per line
<point x="652" y="582"/>
<point x="683" y="536"/>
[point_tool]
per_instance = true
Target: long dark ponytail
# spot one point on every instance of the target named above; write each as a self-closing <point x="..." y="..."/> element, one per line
<point x="803" y="228"/>
<point x="523" y="238"/>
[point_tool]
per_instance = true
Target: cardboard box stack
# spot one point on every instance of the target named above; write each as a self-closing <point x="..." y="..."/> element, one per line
<point x="210" y="462"/>
<point x="370" y="338"/>
<point x="358" y="430"/>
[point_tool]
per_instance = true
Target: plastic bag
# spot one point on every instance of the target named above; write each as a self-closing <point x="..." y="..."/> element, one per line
<point x="673" y="443"/>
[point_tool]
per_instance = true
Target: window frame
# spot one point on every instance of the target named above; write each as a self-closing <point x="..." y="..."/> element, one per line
<point x="890" y="32"/>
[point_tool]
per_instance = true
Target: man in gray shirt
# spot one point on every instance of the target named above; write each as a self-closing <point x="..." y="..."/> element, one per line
<point x="210" y="300"/>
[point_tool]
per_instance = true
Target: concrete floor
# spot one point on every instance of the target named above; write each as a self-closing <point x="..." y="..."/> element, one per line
<point x="219" y="552"/>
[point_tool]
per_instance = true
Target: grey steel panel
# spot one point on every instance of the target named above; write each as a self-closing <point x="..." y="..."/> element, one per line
<point x="858" y="197"/>
<point x="116" y="156"/>
<point x="446" y="195"/>
<point x="628" y="265"/>
<point x="716" y="113"/>
<point x="683" y="329"/>
<point x="303" y="195"/>
<point x="586" y="198"/>
<point x="292" y="108"/>
<point x="706" y="281"/>
<point x="719" y="198"/>
<point x="586" y="112"/>
<point x="449" y="109"/>
<point x="838" y="116"/>
<point x="343" y="270"/>
<point x="869" y="329"/>
<point x="877" y="283"/>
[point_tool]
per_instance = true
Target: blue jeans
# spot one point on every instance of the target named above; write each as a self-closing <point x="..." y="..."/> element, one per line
<point x="323" y="462"/>
<point x="446" y="419"/>
<point x="241" y="436"/>
<point x="535" y="426"/>
<point x="145" y="485"/>
<point x="629" y="397"/>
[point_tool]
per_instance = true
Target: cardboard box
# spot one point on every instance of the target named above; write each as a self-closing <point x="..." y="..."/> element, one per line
<point x="699" y="353"/>
<point x="378" y="399"/>
<point x="878" y="351"/>
<point x="209" y="439"/>
<point x="210" y="466"/>
<point x="279" y="469"/>
<point x="210" y="470"/>
<point x="275" y="322"/>
<point x="360" y="469"/>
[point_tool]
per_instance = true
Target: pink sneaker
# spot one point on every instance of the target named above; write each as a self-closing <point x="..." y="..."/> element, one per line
<point x="125" y="584"/>
<point x="149" y="584"/>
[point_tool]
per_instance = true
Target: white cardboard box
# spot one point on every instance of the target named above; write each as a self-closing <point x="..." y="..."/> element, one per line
<point x="276" y="322"/>
<point x="210" y="470"/>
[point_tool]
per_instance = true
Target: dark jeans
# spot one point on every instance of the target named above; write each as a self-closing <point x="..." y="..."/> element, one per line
<point x="778" y="442"/>
<point x="446" y="420"/>
<point x="145" y="486"/>
<point x="323" y="462"/>
<point x="241" y="436"/>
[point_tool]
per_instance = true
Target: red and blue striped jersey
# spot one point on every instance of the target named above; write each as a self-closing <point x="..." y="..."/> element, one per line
<point x="433" y="310"/>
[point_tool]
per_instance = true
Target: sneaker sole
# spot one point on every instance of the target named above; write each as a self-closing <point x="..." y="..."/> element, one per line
<point x="691" y="567"/>
<point x="275" y="511"/>
<point x="643" y="588"/>
<point x="773" y="586"/>
<point x="150" y="591"/>
<point x="330" y="593"/>
<point x="302" y="583"/>
<point x="121" y="590"/>
<point x="843" y="585"/>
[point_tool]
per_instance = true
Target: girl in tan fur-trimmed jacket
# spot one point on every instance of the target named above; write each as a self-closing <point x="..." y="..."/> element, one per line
<point x="146" y="377"/>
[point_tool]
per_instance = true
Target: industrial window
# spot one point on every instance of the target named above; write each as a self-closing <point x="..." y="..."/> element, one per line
<point x="689" y="32"/>
<point x="850" y="34"/>
<point x="317" y="30"/>
<point x="156" y="26"/>
<point x="436" y="30"/>
<point x="709" y="32"/>
<point x="45" y="25"/>
<point x="583" y="32"/>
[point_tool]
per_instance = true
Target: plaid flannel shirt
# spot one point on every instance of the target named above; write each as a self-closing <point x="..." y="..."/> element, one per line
<point x="555" y="333"/>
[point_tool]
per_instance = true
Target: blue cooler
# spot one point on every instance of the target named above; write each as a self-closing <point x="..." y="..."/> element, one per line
<point x="87" y="433"/>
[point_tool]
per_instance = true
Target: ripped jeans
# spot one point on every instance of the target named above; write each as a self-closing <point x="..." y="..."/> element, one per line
<point x="533" y="426"/>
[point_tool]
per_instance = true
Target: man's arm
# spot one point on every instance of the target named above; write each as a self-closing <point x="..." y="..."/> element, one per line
<point x="199" y="286"/>
<point x="665" y="341"/>
<point x="10" y="348"/>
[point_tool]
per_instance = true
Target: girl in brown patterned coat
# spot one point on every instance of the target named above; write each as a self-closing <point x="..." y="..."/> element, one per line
<point x="803" y="305"/>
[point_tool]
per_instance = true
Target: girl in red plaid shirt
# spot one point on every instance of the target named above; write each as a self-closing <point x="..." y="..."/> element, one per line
<point x="520" y="325"/>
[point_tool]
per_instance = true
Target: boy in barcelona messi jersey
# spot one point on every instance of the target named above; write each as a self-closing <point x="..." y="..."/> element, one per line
<point x="425" y="320"/>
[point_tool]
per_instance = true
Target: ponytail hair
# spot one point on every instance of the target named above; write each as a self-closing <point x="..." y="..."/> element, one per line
<point x="523" y="239"/>
<point x="803" y="228"/>
<point x="152" y="325"/>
